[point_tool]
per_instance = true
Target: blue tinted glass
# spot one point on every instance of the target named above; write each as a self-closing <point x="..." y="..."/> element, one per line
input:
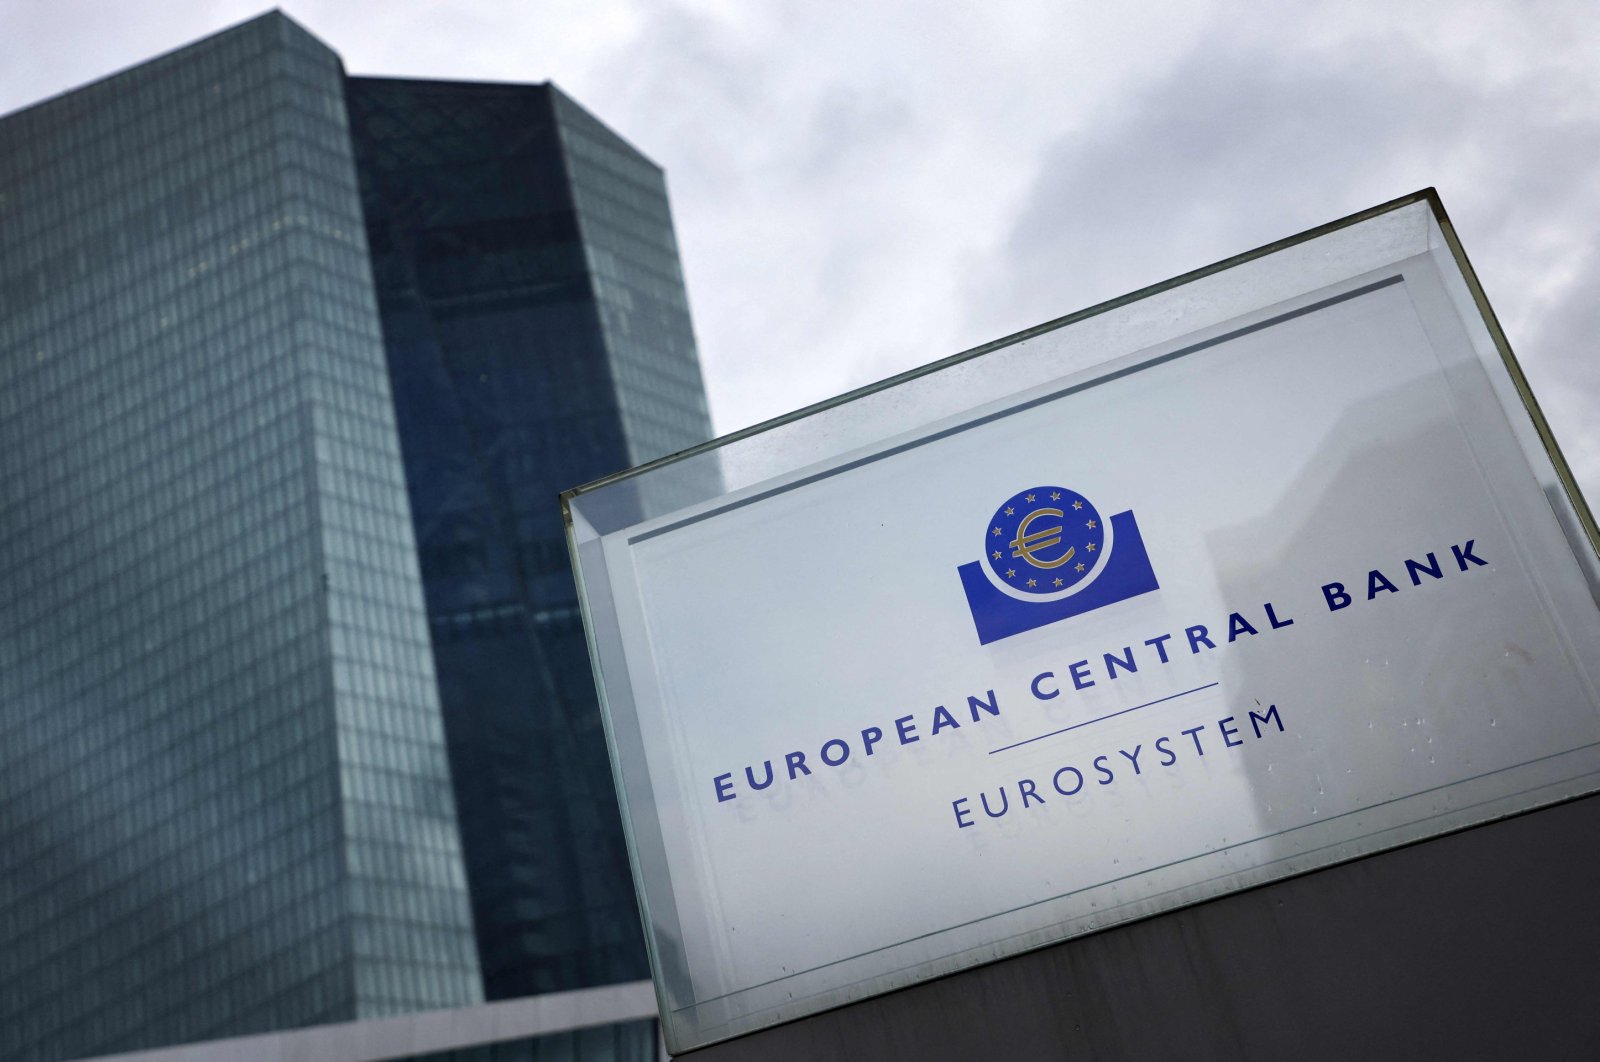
<point x="225" y="797"/>
<point x="504" y="283"/>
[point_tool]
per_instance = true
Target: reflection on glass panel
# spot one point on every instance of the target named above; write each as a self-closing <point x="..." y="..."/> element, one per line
<point x="522" y="325"/>
<point x="1341" y="597"/>
<point x="224" y="793"/>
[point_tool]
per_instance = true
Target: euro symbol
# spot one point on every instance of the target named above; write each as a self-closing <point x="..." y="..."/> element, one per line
<point x="1025" y="543"/>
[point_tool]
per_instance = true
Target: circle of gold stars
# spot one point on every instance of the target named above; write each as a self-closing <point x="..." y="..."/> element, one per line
<point x="1049" y="581"/>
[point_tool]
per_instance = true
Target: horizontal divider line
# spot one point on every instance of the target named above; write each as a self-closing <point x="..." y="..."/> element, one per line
<point x="1101" y="719"/>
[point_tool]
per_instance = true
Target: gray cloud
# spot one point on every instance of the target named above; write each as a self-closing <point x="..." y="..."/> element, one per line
<point x="1565" y="369"/>
<point x="1228" y="152"/>
<point x="1241" y="144"/>
<point x="863" y="188"/>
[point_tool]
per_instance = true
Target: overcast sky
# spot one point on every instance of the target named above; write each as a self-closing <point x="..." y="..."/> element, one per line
<point x="862" y="187"/>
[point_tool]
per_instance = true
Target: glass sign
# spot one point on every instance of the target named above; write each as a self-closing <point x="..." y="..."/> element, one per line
<point x="1263" y="569"/>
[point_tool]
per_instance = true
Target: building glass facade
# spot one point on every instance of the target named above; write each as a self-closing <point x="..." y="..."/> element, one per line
<point x="538" y="337"/>
<point x="224" y="792"/>
<point x="296" y="717"/>
<point x="633" y="1041"/>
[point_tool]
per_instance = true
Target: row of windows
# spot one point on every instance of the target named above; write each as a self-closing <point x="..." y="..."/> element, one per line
<point x="128" y="921"/>
<point x="268" y="918"/>
<point x="393" y="988"/>
<point x="208" y="598"/>
<point x="586" y="138"/>
<point x="109" y="1018"/>
<point x="82" y="146"/>
<point x="152" y="204"/>
<point x="355" y="442"/>
<point x="366" y="540"/>
<point x="436" y="834"/>
<point x="245" y="59"/>
<point x="284" y="828"/>
<point x="403" y="761"/>
<point x="380" y="685"/>
<point x="159" y="827"/>
<point x="388" y="938"/>
<point x="407" y="721"/>
<point x="436" y="905"/>
<point x="181" y="770"/>
<point x="187" y="356"/>
<point x="395" y="646"/>
<point x="632" y="284"/>
<point x="245" y="312"/>
<point x="192" y="498"/>
<point x="171" y="689"/>
<point x="162" y="245"/>
<point x="183" y="616"/>
<point x="645" y="236"/>
<point x="639" y="287"/>
<point x="230" y="439"/>
<point x="197" y="501"/>
<point x="344" y="398"/>
<point x="676" y="380"/>
<point x="89" y="292"/>
<point x="388" y="823"/>
<point x="163" y="734"/>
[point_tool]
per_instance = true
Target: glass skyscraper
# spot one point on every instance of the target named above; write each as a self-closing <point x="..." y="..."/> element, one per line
<point x="538" y="337"/>
<point x="293" y="690"/>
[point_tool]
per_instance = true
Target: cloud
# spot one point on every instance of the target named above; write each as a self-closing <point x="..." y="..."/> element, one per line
<point x="1246" y="141"/>
<point x="863" y="188"/>
<point x="1565" y="366"/>
<point x="832" y="168"/>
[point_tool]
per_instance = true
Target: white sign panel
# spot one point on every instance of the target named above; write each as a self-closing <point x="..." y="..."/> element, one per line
<point x="1275" y="592"/>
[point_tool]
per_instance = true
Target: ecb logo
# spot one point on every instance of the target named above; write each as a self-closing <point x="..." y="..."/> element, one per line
<point x="1050" y="554"/>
